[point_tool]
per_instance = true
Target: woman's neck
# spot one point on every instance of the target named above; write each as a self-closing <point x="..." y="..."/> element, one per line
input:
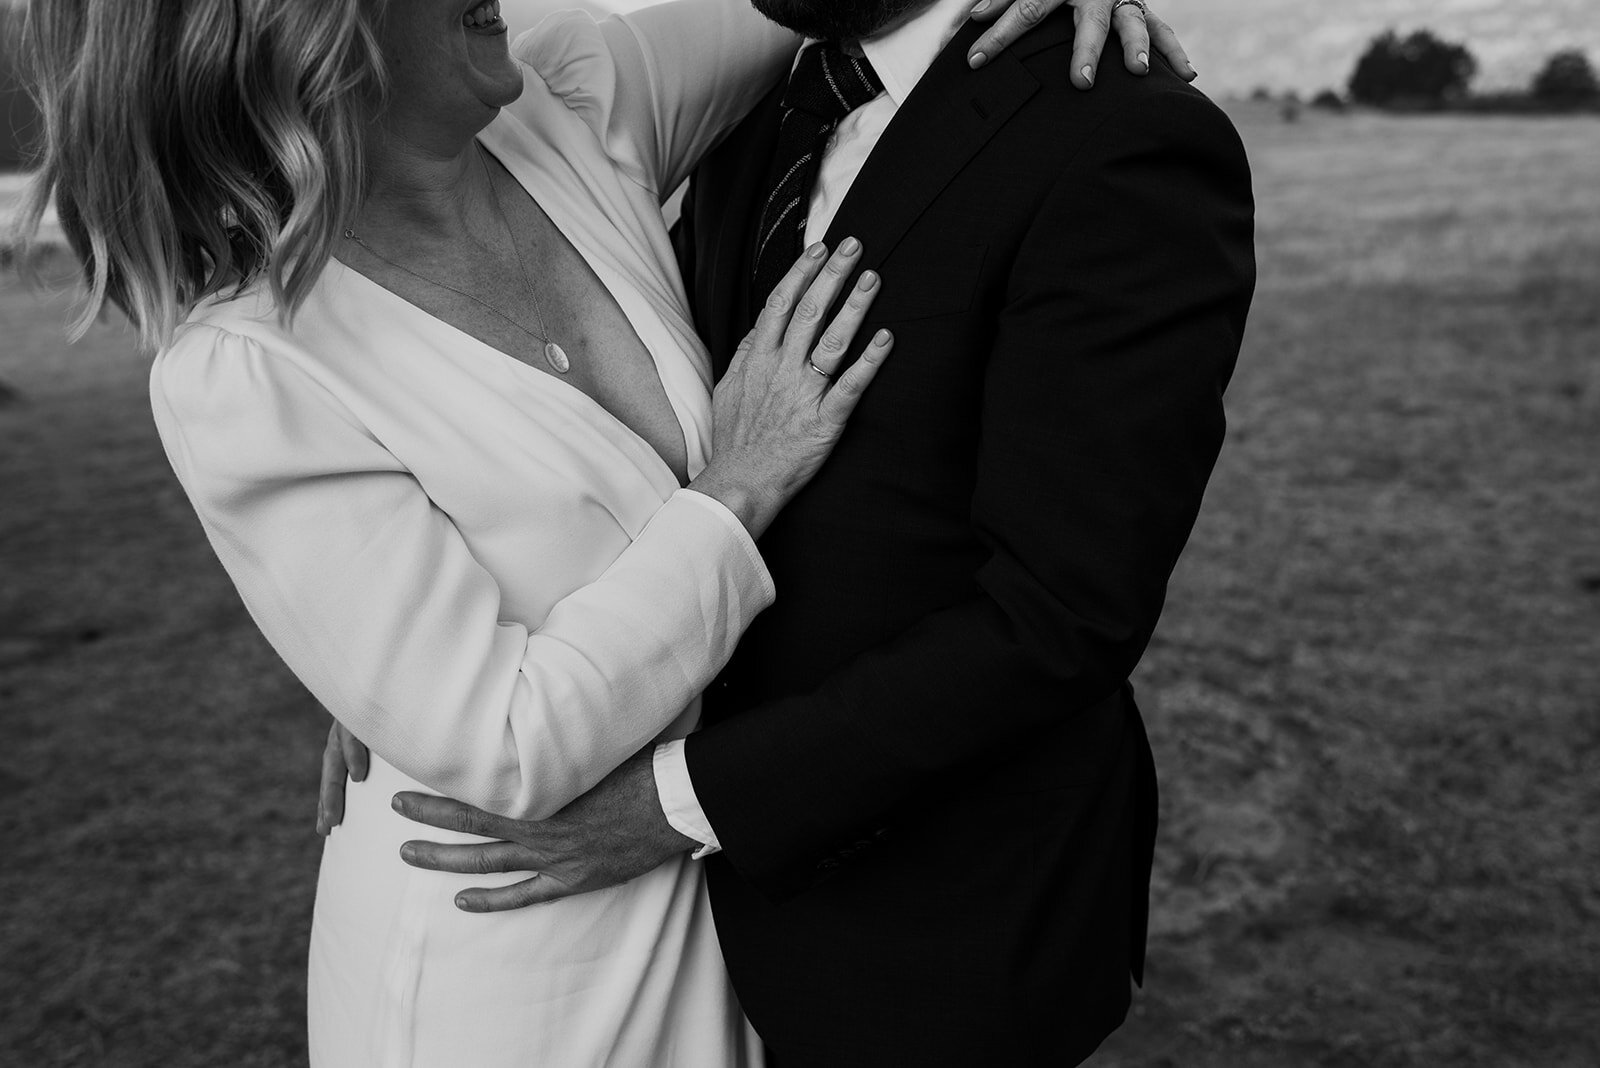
<point x="422" y="192"/>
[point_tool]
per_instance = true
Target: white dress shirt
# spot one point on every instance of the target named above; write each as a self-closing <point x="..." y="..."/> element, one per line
<point x="900" y="56"/>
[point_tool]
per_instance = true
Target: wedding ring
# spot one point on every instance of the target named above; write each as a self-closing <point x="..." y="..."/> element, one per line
<point x="1144" y="12"/>
<point x="813" y="365"/>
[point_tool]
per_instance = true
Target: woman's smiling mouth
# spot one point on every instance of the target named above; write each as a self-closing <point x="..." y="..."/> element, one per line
<point x="484" y="18"/>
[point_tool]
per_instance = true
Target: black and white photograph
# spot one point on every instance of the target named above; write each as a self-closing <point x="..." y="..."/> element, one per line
<point x="799" y="533"/>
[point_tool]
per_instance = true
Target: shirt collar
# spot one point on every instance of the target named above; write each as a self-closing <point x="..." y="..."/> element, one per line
<point x="902" y="55"/>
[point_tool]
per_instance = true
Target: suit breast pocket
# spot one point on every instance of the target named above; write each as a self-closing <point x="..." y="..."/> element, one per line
<point x="928" y="280"/>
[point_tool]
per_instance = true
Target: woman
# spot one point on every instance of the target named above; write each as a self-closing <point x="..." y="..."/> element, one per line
<point x="426" y="373"/>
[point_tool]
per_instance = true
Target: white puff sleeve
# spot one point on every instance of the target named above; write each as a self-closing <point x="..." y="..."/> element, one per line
<point x="660" y="86"/>
<point x="370" y="594"/>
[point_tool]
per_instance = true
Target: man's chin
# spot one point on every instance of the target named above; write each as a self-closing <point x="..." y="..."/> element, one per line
<point x="837" y="20"/>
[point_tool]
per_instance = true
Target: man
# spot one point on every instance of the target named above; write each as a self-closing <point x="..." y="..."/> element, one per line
<point x="923" y="776"/>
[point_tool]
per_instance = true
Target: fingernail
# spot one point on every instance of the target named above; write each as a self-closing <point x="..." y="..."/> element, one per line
<point x="815" y="251"/>
<point x="882" y="337"/>
<point x="408" y="852"/>
<point x="1144" y="60"/>
<point x="1088" y="74"/>
<point x="868" y="280"/>
<point x="464" y="904"/>
<point x="396" y="802"/>
<point x="849" y="247"/>
<point x="979" y="8"/>
<point x="976" y="60"/>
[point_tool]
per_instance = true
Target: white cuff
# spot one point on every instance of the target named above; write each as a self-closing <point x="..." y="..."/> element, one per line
<point x="740" y="534"/>
<point x="678" y="799"/>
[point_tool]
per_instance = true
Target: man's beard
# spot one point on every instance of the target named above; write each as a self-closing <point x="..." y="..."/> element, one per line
<point x="836" y="20"/>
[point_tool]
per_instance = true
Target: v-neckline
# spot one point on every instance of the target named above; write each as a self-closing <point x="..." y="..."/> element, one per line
<point x="609" y="280"/>
<point x="662" y="472"/>
<point x="555" y="383"/>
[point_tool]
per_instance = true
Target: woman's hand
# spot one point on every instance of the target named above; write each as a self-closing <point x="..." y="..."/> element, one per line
<point x="784" y="401"/>
<point x="1136" y="26"/>
<point x="343" y="756"/>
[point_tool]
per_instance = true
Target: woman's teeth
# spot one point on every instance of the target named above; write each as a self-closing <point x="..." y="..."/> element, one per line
<point x="483" y="16"/>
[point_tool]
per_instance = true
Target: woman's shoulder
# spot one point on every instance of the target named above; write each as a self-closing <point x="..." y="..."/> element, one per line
<point x="570" y="57"/>
<point x="235" y="364"/>
<point x="654" y="87"/>
<point x="232" y="332"/>
<point x="568" y="40"/>
<point x="586" y="91"/>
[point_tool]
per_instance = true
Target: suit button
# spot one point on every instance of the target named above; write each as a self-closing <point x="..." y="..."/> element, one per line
<point x="827" y="863"/>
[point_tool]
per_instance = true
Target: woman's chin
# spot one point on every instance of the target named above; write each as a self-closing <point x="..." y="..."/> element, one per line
<point x="495" y="75"/>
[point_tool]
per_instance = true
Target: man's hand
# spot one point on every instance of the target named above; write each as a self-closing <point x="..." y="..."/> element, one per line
<point x="611" y="834"/>
<point x="1137" y="28"/>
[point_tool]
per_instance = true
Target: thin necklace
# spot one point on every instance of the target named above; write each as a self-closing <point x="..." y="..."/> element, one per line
<point x="554" y="354"/>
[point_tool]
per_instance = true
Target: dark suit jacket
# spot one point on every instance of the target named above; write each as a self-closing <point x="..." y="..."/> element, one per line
<point x="924" y="763"/>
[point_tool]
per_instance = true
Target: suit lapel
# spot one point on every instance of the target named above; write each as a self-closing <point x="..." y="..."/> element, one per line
<point x="950" y="115"/>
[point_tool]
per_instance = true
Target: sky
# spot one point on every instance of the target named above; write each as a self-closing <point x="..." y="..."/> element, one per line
<point x="1308" y="45"/>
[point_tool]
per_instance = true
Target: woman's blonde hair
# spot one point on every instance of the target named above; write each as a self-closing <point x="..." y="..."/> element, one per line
<point x="191" y="146"/>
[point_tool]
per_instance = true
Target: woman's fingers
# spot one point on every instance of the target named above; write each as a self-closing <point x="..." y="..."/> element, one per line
<point x="1129" y="20"/>
<point x="830" y="349"/>
<point x="1093" y="18"/>
<point x="840" y="401"/>
<point x="1013" y="18"/>
<point x="820" y="295"/>
<point x="768" y="333"/>
<point x="330" y="796"/>
<point x="793" y="313"/>
<point x="1138" y="30"/>
<point x="1166" y="42"/>
<point x="355" y="754"/>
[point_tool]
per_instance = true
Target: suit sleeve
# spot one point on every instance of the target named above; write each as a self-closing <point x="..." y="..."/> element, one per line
<point x="1102" y="417"/>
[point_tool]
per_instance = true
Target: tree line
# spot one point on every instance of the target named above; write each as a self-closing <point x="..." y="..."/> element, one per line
<point x="1422" y="71"/>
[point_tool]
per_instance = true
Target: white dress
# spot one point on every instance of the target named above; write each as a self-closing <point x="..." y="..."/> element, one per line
<point x="492" y="581"/>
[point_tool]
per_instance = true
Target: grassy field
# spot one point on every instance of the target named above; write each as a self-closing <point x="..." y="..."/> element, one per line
<point x="1375" y="697"/>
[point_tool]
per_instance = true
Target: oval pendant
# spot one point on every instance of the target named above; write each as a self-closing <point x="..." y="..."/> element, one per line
<point x="556" y="357"/>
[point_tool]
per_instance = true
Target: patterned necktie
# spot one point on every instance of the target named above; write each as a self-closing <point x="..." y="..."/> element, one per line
<point x="826" y="86"/>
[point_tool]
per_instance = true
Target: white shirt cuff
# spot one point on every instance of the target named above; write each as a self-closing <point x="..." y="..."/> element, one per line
<point x="678" y="799"/>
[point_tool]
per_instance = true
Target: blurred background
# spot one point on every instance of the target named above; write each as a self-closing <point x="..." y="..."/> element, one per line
<point x="1374" y="697"/>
